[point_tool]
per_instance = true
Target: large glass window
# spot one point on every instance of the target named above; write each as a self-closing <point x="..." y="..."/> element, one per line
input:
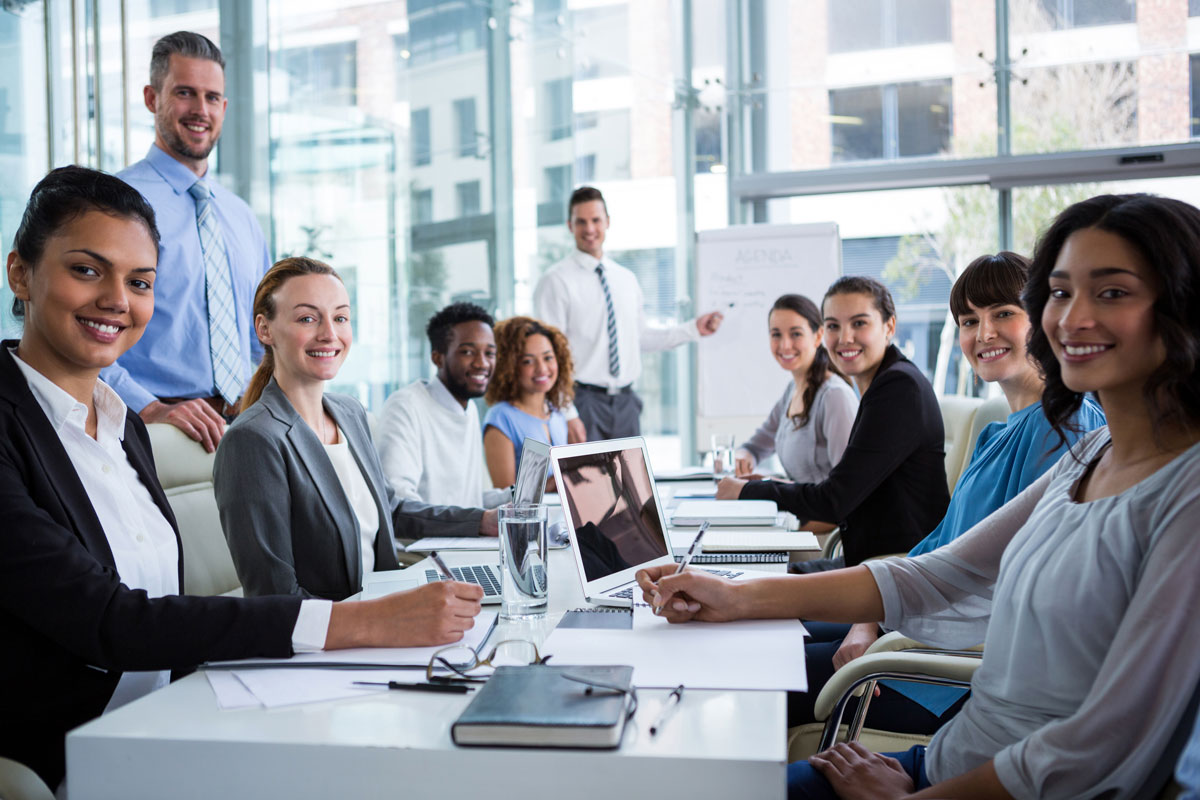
<point x="1082" y="13"/>
<point x="872" y="24"/>
<point x="419" y="131"/>
<point x="911" y="119"/>
<point x="464" y="124"/>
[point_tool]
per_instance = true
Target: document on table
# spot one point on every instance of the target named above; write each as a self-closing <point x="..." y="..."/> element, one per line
<point x="454" y="543"/>
<point x="743" y="540"/>
<point x="750" y="654"/>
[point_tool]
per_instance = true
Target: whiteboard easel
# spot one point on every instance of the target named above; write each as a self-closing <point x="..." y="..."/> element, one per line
<point x="749" y="266"/>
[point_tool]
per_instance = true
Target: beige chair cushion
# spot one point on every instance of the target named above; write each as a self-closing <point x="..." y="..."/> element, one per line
<point x="803" y="740"/>
<point x="957" y="415"/>
<point x="19" y="782"/>
<point x="180" y="461"/>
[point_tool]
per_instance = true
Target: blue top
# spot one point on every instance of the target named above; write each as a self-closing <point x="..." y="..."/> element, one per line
<point x="517" y="425"/>
<point x="1187" y="771"/>
<point x="1008" y="456"/>
<point x="172" y="359"/>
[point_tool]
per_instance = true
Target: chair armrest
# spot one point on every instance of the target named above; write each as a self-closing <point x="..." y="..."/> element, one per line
<point x="832" y="548"/>
<point x="942" y="669"/>
<point x="898" y="642"/>
<point x="19" y="782"/>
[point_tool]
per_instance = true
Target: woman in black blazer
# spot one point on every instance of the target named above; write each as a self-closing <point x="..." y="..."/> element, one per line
<point x="304" y="503"/>
<point x="73" y="618"/>
<point x="889" y="490"/>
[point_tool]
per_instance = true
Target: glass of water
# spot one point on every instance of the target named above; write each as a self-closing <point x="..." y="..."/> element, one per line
<point x="523" y="584"/>
<point x="722" y="454"/>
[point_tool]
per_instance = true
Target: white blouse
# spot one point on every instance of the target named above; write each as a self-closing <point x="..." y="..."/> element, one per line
<point x="362" y="502"/>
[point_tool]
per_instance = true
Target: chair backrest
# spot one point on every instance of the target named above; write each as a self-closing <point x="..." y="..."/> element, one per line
<point x="185" y="472"/>
<point x="19" y="782"/>
<point x="958" y="412"/>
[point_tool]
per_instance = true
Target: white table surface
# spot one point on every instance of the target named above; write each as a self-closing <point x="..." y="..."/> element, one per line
<point x="176" y="743"/>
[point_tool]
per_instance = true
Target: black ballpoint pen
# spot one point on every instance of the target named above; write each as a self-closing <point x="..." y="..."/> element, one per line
<point x="448" y="688"/>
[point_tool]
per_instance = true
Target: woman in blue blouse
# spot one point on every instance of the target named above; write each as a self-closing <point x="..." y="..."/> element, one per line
<point x="530" y="386"/>
<point x="1008" y="456"/>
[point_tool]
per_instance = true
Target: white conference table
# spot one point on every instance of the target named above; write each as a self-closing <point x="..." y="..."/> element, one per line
<point x="177" y="743"/>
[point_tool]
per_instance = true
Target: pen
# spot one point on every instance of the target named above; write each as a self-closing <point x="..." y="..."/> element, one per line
<point x="687" y="558"/>
<point x="448" y="688"/>
<point x="441" y="565"/>
<point x="673" y="701"/>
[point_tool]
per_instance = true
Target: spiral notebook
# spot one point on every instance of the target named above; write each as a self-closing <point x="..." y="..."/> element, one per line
<point x="599" y="618"/>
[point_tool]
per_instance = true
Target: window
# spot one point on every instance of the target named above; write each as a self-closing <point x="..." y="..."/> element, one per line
<point x="419" y="122"/>
<point x="557" y="190"/>
<point x="1085" y="13"/>
<point x="1194" y="8"/>
<point x="1194" y="63"/>
<point x="585" y="168"/>
<point x="440" y="29"/>
<point x="464" y="123"/>
<point x="325" y="75"/>
<point x="468" y="198"/>
<point x="559" y="109"/>
<point x="893" y="121"/>
<point x="872" y="24"/>
<point x="422" y="206"/>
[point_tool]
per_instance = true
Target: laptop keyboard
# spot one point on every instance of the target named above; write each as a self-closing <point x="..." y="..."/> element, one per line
<point x="483" y="575"/>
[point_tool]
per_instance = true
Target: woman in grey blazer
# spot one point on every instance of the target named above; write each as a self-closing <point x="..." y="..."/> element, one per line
<point x="303" y="500"/>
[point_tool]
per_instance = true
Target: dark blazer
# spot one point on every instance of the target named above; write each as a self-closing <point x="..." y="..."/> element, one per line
<point x="289" y="525"/>
<point x="889" y="489"/>
<point x="69" y="627"/>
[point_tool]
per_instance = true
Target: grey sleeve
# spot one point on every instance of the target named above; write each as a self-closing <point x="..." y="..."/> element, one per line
<point x="944" y="598"/>
<point x="762" y="444"/>
<point x="413" y="519"/>
<point x="251" y="486"/>
<point x="838" y="411"/>
<point x="1112" y="742"/>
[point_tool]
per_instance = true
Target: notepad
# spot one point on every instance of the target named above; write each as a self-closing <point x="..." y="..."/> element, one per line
<point x="744" y="540"/>
<point x="726" y="512"/>
<point x="535" y="706"/>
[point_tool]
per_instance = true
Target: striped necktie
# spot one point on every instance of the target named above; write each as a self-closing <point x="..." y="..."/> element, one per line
<point x="614" y="358"/>
<point x="223" y="344"/>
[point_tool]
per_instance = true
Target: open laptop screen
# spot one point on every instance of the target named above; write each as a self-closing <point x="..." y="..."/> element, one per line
<point x="614" y="513"/>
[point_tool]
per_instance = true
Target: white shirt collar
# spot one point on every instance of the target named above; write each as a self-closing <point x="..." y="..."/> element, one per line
<point x="442" y="396"/>
<point x="63" y="409"/>
<point x="586" y="260"/>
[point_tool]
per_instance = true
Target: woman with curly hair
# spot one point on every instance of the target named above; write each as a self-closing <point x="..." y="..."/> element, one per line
<point x="530" y="386"/>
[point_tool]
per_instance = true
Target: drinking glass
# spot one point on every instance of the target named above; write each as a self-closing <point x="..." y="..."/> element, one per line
<point x="722" y="454"/>
<point x="523" y="561"/>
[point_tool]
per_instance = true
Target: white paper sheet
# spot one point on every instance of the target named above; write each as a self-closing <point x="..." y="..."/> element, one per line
<point x="231" y="693"/>
<point x="752" y="654"/>
<point x="743" y="540"/>
<point x="450" y="543"/>
<point x="274" y="688"/>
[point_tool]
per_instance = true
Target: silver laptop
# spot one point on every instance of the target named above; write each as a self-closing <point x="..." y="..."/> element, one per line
<point x="614" y="516"/>
<point x="528" y="489"/>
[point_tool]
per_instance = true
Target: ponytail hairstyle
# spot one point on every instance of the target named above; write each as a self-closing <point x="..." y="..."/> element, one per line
<point x="264" y="303"/>
<point x="821" y="367"/>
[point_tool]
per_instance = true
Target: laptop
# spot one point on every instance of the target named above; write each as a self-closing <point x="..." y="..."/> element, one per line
<point x="528" y="489"/>
<point x="614" y="517"/>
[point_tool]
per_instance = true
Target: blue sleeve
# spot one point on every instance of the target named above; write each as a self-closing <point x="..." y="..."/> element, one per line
<point x="499" y="417"/>
<point x="130" y="391"/>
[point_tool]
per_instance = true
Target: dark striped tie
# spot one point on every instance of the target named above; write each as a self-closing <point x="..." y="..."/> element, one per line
<point x="614" y="359"/>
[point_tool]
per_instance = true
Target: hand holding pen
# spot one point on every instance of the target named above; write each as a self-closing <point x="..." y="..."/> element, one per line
<point x="691" y="553"/>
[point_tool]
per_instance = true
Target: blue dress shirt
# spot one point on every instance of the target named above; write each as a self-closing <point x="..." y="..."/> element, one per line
<point x="1187" y="772"/>
<point x="1008" y="456"/>
<point x="172" y="359"/>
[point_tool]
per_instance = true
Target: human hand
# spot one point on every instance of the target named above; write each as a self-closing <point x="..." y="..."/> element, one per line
<point x="858" y="774"/>
<point x="195" y="417"/>
<point x="861" y="636"/>
<point x="708" y="324"/>
<point x="489" y="523"/>
<point x="743" y="463"/>
<point x="688" y="595"/>
<point x="436" y="613"/>
<point x="576" y="432"/>
<point x="730" y="488"/>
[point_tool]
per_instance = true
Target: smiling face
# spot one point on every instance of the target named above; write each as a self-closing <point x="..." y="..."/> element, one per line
<point x="88" y="298"/>
<point x="793" y="341"/>
<point x="993" y="340"/>
<point x="310" y="334"/>
<point x="537" y="368"/>
<point x="856" y="335"/>
<point x="1099" y="317"/>
<point x="189" y="109"/>
<point x="466" y="366"/>
<point x="589" y="224"/>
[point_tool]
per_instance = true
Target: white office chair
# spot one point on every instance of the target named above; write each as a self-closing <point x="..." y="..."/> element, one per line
<point x="19" y="782"/>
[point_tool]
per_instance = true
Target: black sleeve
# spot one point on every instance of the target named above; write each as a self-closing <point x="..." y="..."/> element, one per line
<point x="885" y="433"/>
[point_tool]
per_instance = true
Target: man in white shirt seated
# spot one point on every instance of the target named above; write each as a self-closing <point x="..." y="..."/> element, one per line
<point x="428" y="436"/>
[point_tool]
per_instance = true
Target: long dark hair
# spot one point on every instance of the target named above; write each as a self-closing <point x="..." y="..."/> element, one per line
<point x="65" y="194"/>
<point x="264" y="303"/>
<point x="821" y="367"/>
<point x="1166" y="233"/>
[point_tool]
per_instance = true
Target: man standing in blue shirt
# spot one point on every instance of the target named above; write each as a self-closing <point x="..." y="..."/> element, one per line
<point x="197" y="353"/>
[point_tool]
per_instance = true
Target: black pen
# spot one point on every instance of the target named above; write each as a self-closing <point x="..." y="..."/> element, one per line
<point x="448" y="688"/>
<point x="672" y="703"/>
<point x="441" y="565"/>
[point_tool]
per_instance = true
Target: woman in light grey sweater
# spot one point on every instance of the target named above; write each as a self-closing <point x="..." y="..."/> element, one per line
<point x="809" y="427"/>
<point x="1084" y="585"/>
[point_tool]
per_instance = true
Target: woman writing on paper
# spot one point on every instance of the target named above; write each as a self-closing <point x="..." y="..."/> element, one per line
<point x="888" y="489"/>
<point x="1084" y="585"/>
<point x="809" y="427"/>
<point x="530" y="386"/>
<point x="304" y="503"/>
<point x="91" y="569"/>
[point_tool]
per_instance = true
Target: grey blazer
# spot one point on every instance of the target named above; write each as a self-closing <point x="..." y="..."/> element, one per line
<point x="289" y="525"/>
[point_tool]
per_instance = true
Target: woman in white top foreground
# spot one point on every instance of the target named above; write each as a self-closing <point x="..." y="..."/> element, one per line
<point x="810" y="424"/>
<point x="1084" y="586"/>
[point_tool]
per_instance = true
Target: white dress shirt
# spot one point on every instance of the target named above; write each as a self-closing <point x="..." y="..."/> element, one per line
<point x="570" y="298"/>
<point x="362" y="502"/>
<point x="143" y="544"/>
<point x="431" y="448"/>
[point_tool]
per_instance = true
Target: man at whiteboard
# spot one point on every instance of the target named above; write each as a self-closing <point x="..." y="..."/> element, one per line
<point x="597" y="303"/>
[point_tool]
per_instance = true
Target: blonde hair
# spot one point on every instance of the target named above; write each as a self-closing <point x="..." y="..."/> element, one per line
<point x="264" y="303"/>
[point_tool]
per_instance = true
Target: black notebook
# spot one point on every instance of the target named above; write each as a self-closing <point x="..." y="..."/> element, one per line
<point x="535" y="706"/>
